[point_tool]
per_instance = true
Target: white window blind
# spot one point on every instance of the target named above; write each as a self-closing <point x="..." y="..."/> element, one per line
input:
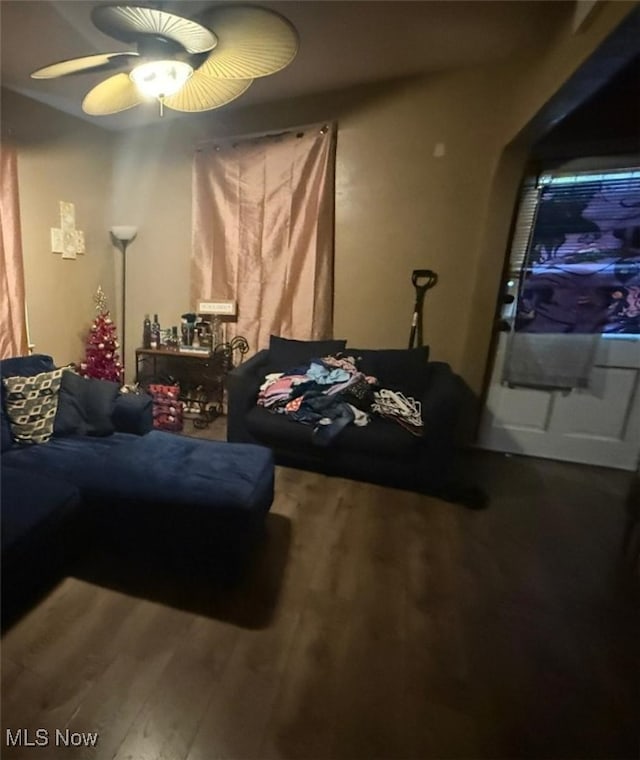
<point x="525" y="216"/>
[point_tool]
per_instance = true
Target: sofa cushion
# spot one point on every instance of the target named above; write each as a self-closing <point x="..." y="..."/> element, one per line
<point x="31" y="404"/>
<point x="380" y="436"/>
<point x="85" y="406"/>
<point x="399" y="369"/>
<point x="66" y="456"/>
<point x="158" y="468"/>
<point x="286" y="354"/>
<point x="18" y="365"/>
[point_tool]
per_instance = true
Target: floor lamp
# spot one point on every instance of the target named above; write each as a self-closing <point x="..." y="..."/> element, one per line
<point x="122" y="235"/>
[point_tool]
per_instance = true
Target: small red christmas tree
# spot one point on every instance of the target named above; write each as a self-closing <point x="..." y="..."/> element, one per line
<point x="101" y="359"/>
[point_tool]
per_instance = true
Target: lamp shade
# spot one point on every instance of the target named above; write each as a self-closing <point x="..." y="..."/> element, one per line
<point x="124" y="232"/>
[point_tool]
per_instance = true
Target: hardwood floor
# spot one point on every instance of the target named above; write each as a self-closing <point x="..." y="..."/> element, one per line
<point x="373" y="623"/>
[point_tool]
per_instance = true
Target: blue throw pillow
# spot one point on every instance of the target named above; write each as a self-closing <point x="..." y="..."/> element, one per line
<point x="26" y="366"/>
<point x="285" y="353"/>
<point x="399" y="369"/>
<point x="85" y="406"/>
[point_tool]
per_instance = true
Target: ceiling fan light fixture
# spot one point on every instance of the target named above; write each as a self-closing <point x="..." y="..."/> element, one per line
<point x="160" y="79"/>
<point x="179" y="62"/>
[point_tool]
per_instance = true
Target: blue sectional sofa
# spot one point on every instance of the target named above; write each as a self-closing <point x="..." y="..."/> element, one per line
<point x="117" y="482"/>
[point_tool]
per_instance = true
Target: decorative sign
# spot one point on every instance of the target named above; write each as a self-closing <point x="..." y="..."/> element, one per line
<point x="66" y="239"/>
<point x="226" y="308"/>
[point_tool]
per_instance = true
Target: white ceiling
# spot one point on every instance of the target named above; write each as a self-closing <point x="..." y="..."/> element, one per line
<point x="342" y="43"/>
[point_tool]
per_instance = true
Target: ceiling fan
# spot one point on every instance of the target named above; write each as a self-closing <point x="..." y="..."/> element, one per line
<point x="186" y="65"/>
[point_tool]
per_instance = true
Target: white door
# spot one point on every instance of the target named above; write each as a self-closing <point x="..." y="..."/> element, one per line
<point x="578" y="232"/>
<point x="599" y="425"/>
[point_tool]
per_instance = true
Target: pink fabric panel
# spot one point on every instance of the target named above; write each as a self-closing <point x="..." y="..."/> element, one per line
<point x="263" y="233"/>
<point x="13" y="333"/>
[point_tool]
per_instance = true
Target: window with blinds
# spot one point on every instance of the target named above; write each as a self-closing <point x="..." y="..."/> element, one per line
<point x="576" y="252"/>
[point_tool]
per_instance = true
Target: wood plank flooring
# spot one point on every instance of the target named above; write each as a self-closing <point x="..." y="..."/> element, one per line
<point x="373" y="623"/>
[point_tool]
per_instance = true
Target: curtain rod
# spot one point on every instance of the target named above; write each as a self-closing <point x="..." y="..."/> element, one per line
<point x="261" y="135"/>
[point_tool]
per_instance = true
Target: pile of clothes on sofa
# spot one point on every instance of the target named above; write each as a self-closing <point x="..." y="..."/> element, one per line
<point x="330" y="393"/>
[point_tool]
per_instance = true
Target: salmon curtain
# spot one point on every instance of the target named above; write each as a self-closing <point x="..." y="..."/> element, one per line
<point x="263" y="221"/>
<point x="13" y="335"/>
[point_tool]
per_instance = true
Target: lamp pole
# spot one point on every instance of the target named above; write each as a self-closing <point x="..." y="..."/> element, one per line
<point x="121" y="237"/>
<point x="125" y="243"/>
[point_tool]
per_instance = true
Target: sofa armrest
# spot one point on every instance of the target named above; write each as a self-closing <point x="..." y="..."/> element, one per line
<point x="133" y="413"/>
<point x="243" y="384"/>
<point x="444" y="403"/>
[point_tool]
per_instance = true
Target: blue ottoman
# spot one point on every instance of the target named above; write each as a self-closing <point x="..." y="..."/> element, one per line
<point x="223" y="478"/>
<point x="188" y="501"/>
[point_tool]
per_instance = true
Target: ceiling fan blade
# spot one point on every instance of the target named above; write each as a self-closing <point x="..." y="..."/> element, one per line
<point x="81" y="65"/>
<point x="118" y="93"/>
<point x="128" y="22"/>
<point x="252" y="42"/>
<point x="203" y="93"/>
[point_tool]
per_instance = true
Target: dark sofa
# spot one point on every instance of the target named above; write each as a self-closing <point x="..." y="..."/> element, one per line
<point x="106" y="476"/>
<point x="382" y="452"/>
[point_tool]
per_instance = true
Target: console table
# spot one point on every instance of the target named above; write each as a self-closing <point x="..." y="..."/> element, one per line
<point x="201" y="376"/>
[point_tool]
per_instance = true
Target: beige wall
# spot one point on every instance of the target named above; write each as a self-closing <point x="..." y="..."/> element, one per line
<point x="397" y="206"/>
<point x="60" y="159"/>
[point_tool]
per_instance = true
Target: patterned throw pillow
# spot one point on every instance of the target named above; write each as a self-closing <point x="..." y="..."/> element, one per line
<point x="31" y="404"/>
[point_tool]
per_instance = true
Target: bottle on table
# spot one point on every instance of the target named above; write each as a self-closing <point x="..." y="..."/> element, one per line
<point x="146" y="332"/>
<point x="155" y="332"/>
